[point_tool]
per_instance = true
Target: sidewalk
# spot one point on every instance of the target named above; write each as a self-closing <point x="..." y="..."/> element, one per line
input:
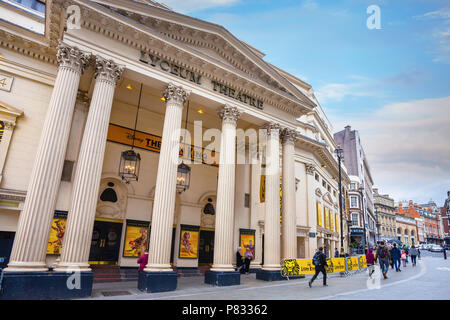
<point x="194" y="288"/>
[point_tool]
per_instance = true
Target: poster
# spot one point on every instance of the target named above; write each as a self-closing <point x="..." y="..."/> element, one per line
<point x="332" y="221"/>
<point x="327" y="219"/>
<point x="247" y="241"/>
<point x="57" y="233"/>
<point x="337" y="222"/>
<point x="336" y="265"/>
<point x="296" y="267"/>
<point x="319" y="214"/>
<point x="136" y="238"/>
<point x="262" y="189"/>
<point x="189" y="236"/>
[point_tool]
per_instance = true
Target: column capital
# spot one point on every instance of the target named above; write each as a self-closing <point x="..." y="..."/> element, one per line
<point x="72" y="57"/>
<point x="288" y="135"/>
<point x="176" y="93"/>
<point x="9" y="125"/>
<point x="229" y="113"/>
<point x="107" y="70"/>
<point x="272" y="128"/>
<point x="309" y="168"/>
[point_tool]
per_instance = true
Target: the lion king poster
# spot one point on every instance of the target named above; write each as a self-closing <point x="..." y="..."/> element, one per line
<point x="57" y="233"/>
<point x="189" y="236"/>
<point x="136" y="238"/>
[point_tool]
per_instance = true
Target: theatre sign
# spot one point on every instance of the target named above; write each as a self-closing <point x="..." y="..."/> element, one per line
<point x="189" y="75"/>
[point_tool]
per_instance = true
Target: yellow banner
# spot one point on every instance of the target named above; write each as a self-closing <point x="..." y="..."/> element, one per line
<point x="352" y="263"/>
<point x="337" y="222"/>
<point x="151" y="142"/>
<point x="262" y="189"/>
<point x="319" y="214"/>
<point x="362" y="262"/>
<point x="57" y="231"/>
<point x="327" y="218"/>
<point x="336" y="265"/>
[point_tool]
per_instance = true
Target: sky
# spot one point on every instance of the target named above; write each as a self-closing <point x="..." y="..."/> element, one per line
<point x="392" y="84"/>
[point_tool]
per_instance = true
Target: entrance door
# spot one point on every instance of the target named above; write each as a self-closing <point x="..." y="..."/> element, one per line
<point x="6" y="244"/>
<point x="105" y="243"/>
<point x="206" y="247"/>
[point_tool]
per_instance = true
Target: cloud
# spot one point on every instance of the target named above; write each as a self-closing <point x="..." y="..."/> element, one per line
<point x="359" y="87"/>
<point x="187" y="6"/>
<point x="407" y="148"/>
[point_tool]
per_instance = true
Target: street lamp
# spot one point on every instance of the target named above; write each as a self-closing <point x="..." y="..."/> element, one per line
<point x="361" y="190"/>
<point x="378" y="224"/>
<point x="339" y="152"/>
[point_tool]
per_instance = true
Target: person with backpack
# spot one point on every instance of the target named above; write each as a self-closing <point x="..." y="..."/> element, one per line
<point x="319" y="262"/>
<point x="396" y="255"/>
<point x="413" y="252"/>
<point x="383" y="257"/>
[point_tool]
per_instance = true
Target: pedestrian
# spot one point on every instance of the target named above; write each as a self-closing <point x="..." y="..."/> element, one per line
<point x="143" y="261"/>
<point x="445" y="253"/>
<point x="336" y="253"/>
<point x="396" y="255"/>
<point x="383" y="257"/>
<point x="342" y="254"/>
<point x="248" y="256"/>
<point x="413" y="253"/>
<point x="239" y="260"/>
<point x="319" y="262"/>
<point x="407" y="254"/>
<point x="403" y="258"/>
<point x="370" y="258"/>
<point x="391" y="262"/>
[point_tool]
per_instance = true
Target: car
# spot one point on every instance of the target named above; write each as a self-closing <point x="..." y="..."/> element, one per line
<point x="435" y="248"/>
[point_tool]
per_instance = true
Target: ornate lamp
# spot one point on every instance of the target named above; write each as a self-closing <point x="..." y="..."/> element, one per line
<point x="184" y="171"/>
<point x="129" y="160"/>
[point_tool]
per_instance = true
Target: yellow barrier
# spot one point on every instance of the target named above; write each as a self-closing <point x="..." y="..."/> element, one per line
<point x="298" y="267"/>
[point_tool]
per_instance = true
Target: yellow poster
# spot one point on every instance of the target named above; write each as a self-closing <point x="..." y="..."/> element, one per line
<point x="296" y="267"/>
<point x="327" y="219"/>
<point x="136" y="238"/>
<point x="337" y="222"/>
<point x="57" y="233"/>
<point x="362" y="262"/>
<point x="247" y="243"/>
<point x="319" y="214"/>
<point x="189" y="236"/>
<point x="352" y="263"/>
<point x="262" y="189"/>
<point x="336" y="265"/>
<point x="332" y="221"/>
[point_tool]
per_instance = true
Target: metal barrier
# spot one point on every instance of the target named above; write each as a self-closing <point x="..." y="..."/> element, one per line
<point x="301" y="267"/>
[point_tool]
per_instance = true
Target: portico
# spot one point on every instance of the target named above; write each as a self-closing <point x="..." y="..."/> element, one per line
<point x="241" y="120"/>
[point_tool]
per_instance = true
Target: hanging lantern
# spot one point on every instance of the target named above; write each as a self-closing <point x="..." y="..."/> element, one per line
<point x="129" y="166"/>
<point x="183" y="177"/>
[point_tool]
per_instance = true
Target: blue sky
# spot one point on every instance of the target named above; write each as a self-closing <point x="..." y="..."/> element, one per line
<point x="391" y="84"/>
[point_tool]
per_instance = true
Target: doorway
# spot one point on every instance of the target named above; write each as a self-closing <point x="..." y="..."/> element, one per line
<point x="206" y="247"/>
<point x="105" y="243"/>
<point x="6" y="244"/>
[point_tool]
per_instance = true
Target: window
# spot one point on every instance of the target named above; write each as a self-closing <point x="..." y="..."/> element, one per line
<point x="355" y="219"/>
<point x="2" y="128"/>
<point x="32" y="4"/>
<point x="316" y="176"/>
<point x="352" y="186"/>
<point x="353" y="202"/>
<point x="67" y="171"/>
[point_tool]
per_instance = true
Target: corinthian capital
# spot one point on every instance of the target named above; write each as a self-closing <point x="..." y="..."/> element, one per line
<point x="272" y="128"/>
<point x="107" y="70"/>
<point x="176" y="93"/>
<point x="229" y="114"/>
<point x="288" y="135"/>
<point x="72" y="57"/>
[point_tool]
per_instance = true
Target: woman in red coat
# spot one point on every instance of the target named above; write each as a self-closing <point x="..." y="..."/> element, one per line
<point x="370" y="258"/>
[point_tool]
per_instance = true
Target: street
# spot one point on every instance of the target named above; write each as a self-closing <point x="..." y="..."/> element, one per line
<point x="428" y="281"/>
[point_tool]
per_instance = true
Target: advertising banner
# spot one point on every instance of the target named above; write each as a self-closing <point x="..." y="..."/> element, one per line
<point x="136" y="238"/>
<point x="57" y="233"/>
<point x="352" y="263"/>
<point x="362" y="262"/>
<point x="336" y="265"/>
<point x="247" y="241"/>
<point x="189" y="236"/>
<point x="319" y="214"/>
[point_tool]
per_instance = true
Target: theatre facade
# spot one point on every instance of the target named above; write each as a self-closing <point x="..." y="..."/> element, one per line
<point x="126" y="127"/>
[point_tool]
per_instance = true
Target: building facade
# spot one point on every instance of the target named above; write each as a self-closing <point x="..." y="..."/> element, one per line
<point x="385" y="215"/>
<point x="445" y="214"/>
<point x="357" y="165"/>
<point x="231" y="151"/>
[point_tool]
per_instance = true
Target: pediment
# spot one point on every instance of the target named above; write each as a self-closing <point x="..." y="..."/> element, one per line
<point x="10" y="111"/>
<point x="196" y="41"/>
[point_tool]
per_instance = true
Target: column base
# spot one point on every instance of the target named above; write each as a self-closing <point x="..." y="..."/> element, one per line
<point x="222" y="279"/>
<point x="269" y="275"/>
<point x="157" y="281"/>
<point x="46" y="285"/>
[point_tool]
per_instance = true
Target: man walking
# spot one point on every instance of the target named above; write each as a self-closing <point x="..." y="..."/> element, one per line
<point x="413" y="252"/>
<point x="383" y="257"/>
<point x="319" y="262"/>
<point x="396" y="255"/>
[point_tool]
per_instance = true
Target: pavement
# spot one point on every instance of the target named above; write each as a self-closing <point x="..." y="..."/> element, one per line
<point x="427" y="281"/>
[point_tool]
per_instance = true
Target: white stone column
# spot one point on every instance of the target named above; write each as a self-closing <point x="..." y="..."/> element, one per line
<point x="80" y="219"/>
<point x="311" y="209"/>
<point x="289" y="213"/>
<point x="255" y="208"/>
<point x="165" y="191"/>
<point x="30" y="243"/>
<point x="223" y="237"/>
<point x="272" y="214"/>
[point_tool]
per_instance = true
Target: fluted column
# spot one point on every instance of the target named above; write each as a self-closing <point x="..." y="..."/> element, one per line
<point x="223" y="237"/>
<point x="30" y="244"/>
<point x="80" y="219"/>
<point x="311" y="208"/>
<point x="289" y="213"/>
<point x="272" y="214"/>
<point x="165" y="191"/>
